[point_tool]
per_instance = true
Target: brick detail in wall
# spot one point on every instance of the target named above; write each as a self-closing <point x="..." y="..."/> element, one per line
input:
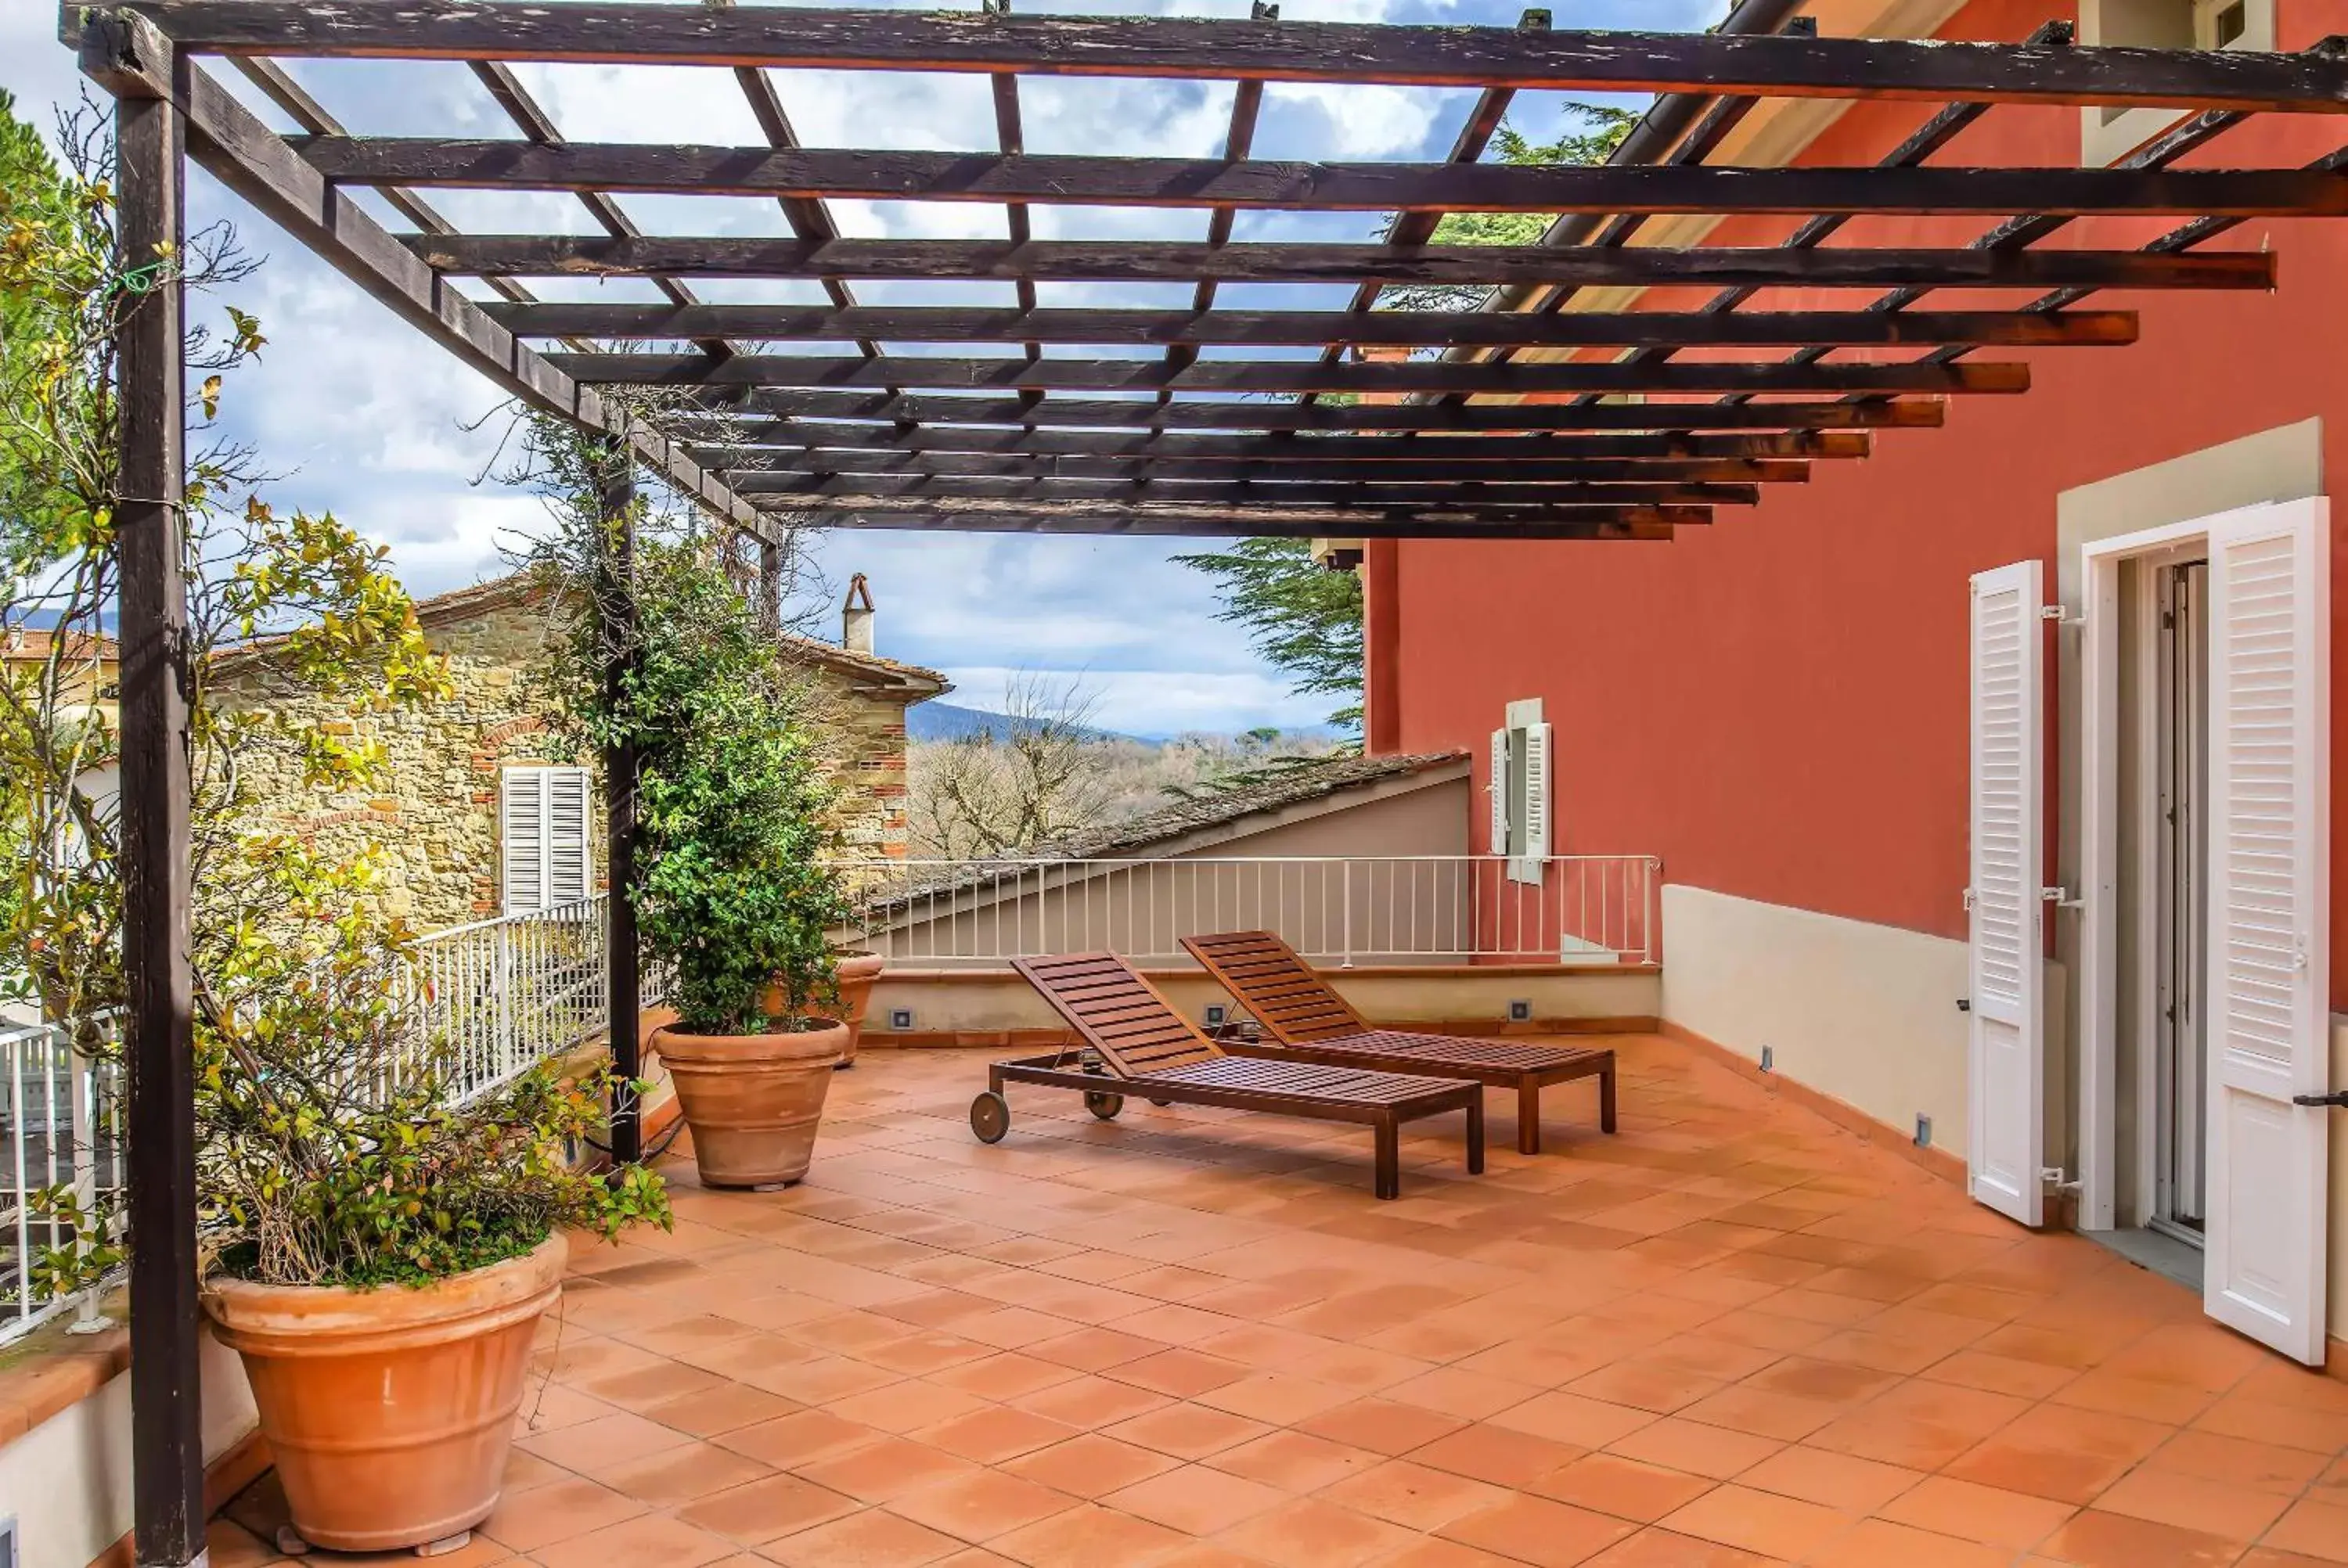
<point x="434" y="817"/>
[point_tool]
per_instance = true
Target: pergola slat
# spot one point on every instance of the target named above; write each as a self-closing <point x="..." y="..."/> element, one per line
<point x="1280" y="375"/>
<point x="1913" y="414"/>
<point x="750" y="478"/>
<point x="1074" y="517"/>
<point x="776" y="442"/>
<point x="892" y="175"/>
<point x="856" y="490"/>
<point x="1129" y="260"/>
<point x="1777" y="66"/>
<point x="1418" y="329"/>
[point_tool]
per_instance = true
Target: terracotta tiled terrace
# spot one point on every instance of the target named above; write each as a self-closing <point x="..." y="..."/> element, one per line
<point x="1732" y="1335"/>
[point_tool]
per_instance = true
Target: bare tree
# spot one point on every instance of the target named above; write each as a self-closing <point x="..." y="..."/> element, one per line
<point x="988" y="795"/>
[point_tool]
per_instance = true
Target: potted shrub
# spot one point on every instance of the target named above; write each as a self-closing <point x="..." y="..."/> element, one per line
<point x="855" y="970"/>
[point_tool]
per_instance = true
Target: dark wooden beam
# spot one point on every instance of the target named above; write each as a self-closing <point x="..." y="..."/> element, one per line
<point x="1279" y="375"/>
<point x="167" y="1453"/>
<point x="1243" y="415"/>
<point x="596" y="169"/>
<point x="615" y="596"/>
<point x="1069" y="517"/>
<point x="1136" y="260"/>
<point x="1707" y="63"/>
<point x="1416" y="329"/>
<point x="757" y="478"/>
<point x="777" y="441"/>
<point x="859" y="490"/>
<point x="236" y="148"/>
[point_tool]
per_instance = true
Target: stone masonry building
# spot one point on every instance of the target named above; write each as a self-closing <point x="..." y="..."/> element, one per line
<point x="455" y="820"/>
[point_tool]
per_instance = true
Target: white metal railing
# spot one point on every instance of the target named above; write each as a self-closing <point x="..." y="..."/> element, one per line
<point x="502" y="995"/>
<point x="1343" y="911"/>
<point x="60" y="1126"/>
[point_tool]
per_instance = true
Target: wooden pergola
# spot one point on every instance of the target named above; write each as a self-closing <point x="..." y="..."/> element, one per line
<point x="1543" y="418"/>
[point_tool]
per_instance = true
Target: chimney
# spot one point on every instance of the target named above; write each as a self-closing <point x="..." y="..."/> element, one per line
<point x="856" y="617"/>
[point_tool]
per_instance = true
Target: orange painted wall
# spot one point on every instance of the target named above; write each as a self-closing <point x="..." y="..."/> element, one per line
<point x="1776" y="705"/>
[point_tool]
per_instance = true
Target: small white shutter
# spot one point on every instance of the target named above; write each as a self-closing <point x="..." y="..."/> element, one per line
<point x="1499" y="790"/>
<point x="2270" y="927"/>
<point x="2007" y="1047"/>
<point x="521" y="834"/>
<point x="1532" y="837"/>
<point x="567" y="819"/>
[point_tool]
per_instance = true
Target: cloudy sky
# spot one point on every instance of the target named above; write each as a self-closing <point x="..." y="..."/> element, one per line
<point x="363" y="416"/>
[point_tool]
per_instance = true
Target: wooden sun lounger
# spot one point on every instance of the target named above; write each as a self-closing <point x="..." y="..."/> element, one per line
<point x="1146" y="1048"/>
<point x="1307" y="1020"/>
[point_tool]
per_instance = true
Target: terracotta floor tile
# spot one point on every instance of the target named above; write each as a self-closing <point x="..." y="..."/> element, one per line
<point x="1380" y="1425"/>
<point x="1089" y="1402"/>
<point x="2226" y="1509"/>
<point x="983" y="1506"/>
<point x="906" y="1406"/>
<point x="1453" y="1391"/>
<point x="1742" y="1407"/>
<point x="678" y="1475"/>
<point x="1089" y="1465"/>
<point x="1195" y="1500"/>
<point x="1187" y="1431"/>
<point x="2097" y="1540"/>
<point x="767" y="1510"/>
<point x="1836" y="1481"/>
<point x="2268" y="1557"/>
<point x="1625" y="1488"/>
<point x="654" y="1540"/>
<point x="722" y="1409"/>
<point x="1918" y="1424"/>
<point x="1694" y="1448"/>
<point x="1095" y="1350"/>
<point x="1879" y="1543"/>
<point x="889" y="1468"/>
<point x="994" y="1433"/>
<point x="1276" y="1398"/>
<point x="1991" y="1515"/>
<point x="1433" y="1552"/>
<point x="1535" y="1530"/>
<point x="872" y="1538"/>
<point x="800" y="1437"/>
<point x="1573" y="1419"/>
<point x="1496" y="1454"/>
<point x="556" y="1511"/>
<point x="2312" y="1528"/>
<point x="1652" y="1548"/>
<point x="1294" y="1462"/>
<point x="2000" y="1374"/>
<point x="2240" y="1416"/>
<point x="619" y="1437"/>
<point x="1413" y="1495"/>
<point x="1006" y="1375"/>
<point x="1179" y="1373"/>
<point x="1311" y="1533"/>
<point x="2146" y="1399"/>
<point x="2237" y="1462"/>
<point x="1759" y="1522"/>
<point x="1086" y="1537"/>
<point x="920" y="1354"/>
<point x="2059" y="1451"/>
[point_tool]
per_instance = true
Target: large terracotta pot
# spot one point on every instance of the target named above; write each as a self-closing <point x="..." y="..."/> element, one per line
<point x="389" y="1410"/>
<point x="752" y="1100"/>
<point x="857" y="972"/>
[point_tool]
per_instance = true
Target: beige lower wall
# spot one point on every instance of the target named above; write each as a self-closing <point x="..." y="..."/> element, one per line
<point x="68" y="1481"/>
<point x="978" y="1003"/>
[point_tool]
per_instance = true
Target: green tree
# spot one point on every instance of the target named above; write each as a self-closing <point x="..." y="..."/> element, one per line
<point x="1300" y="616"/>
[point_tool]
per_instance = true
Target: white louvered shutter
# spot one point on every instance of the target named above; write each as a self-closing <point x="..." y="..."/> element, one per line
<point x="567" y="817"/>
<point x="1499" y="790"/>
<point x="2007" y="1047"/>
<point x="522" y="838"/>
<point x="1532" y="839"/>
<point x="2270" y="928"/>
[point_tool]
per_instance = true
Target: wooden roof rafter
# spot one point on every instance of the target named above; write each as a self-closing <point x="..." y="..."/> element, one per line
<point x="1217" y="418"/>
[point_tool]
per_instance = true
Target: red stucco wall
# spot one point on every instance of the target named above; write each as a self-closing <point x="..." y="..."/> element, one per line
<point x="1776" y="705"/>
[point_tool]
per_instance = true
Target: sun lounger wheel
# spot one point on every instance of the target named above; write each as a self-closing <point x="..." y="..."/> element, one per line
<point x="1105" y="1106"/>
<point x="989" y="1117"/>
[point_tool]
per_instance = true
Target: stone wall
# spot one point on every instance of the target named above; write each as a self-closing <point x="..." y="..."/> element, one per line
<point x="434" y="811"/>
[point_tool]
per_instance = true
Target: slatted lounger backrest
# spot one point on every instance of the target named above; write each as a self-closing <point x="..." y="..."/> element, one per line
<point x="1281" y="991"/>
<point x="1120" y="1014"/>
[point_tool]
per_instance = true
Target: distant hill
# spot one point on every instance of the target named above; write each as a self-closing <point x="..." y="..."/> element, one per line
<point x="936" y="720"/>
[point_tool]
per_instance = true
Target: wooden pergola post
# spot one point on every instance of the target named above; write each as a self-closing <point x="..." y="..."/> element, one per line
<point x="615" y="597"/>
<point x="166" y="1397"/>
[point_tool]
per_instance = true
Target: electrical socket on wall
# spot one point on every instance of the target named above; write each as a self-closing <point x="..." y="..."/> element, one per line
<point x="1520" y="1012"/>
<point x="1768" y="1059"/>
<point x="1923" y="1131"/>
<point x="900" y="1018"/>
<point x="1216" y="1014"/>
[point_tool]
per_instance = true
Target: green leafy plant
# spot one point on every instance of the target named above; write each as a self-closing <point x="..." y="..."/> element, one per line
<point x="1300" y="616"/>
<point x="330" y="1146"/>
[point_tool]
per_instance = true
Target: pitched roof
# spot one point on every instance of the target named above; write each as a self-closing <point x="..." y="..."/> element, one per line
<point x="460" y="605"/>
<point x="1228" y="807"/>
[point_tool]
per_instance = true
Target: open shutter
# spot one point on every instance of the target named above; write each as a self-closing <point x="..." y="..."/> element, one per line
<point x="1534" y="844"/>
<point x="2270" y="928"/>
<point x="2006" y="1050"/>
<point x="566" y="835"/>
<point x="522" y="838"/>
<point x="1499" y="790"/>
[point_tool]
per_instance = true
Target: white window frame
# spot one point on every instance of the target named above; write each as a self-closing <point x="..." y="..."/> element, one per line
<point x="1523" y="794"/>
<point x="2107" y="137"/>
<point x="560" y="882"/>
